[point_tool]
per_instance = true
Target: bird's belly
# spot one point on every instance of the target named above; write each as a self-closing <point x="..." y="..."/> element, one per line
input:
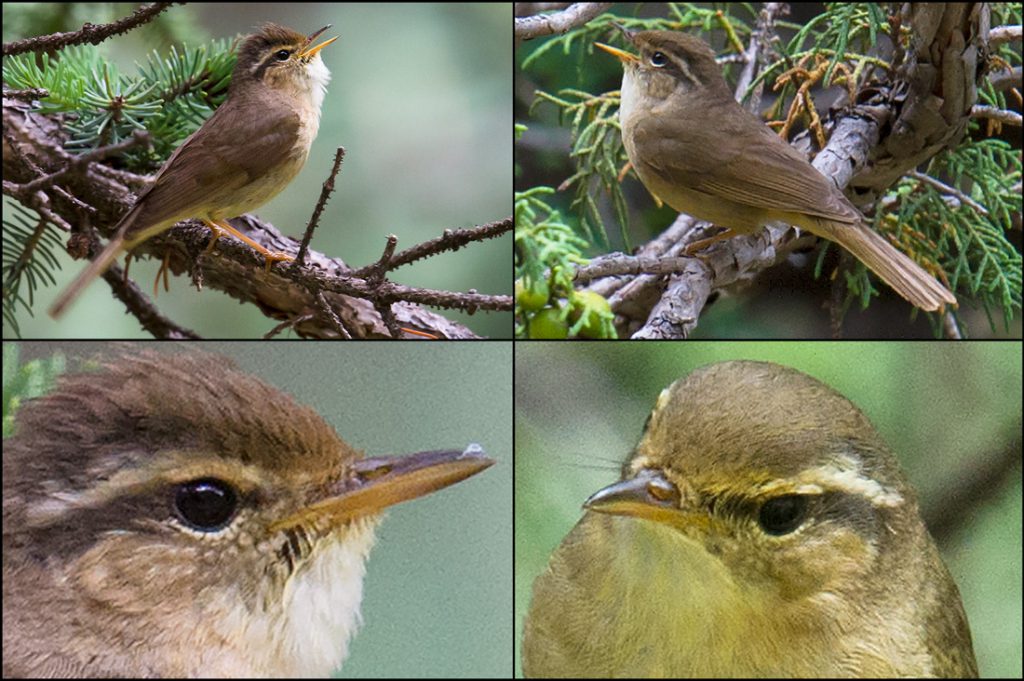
<point x="262" y="188"/>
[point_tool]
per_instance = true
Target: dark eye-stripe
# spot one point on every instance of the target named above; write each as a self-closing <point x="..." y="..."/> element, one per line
<point x="275" y="57"/>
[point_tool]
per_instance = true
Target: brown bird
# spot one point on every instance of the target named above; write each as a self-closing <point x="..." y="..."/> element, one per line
<point x="169" y="516"/>
<point x="695" y="148"/>
<point x="252" y="146"/>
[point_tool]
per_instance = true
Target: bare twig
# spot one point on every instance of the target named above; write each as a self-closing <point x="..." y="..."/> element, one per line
<point x="78" y="162"/>
<point x="141" y="307"/>
<point x="28" y="95"/>
<point x="562" y="22"/>
<point x="1004" y="116"/>
<point x="451" y="240"/>
<point x="620" y="264"/>
<point x="88" y="34"/>
<point x="1003" y="34"/>
<point x="327" y="311"/>
<point x="946" y="189"/>
<point x="318" y="210"/>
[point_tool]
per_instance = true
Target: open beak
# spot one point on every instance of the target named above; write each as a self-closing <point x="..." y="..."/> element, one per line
<point x="371" y="485"/>
<point x="309" y="52"/>
<point x="624" y="57"/>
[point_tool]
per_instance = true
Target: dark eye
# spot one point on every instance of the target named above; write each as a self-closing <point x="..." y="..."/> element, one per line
<point x="206" y="504"/>
<point x="282" y="55"/>
<point x="782" y="515"/>
<point x="658" y="59"/>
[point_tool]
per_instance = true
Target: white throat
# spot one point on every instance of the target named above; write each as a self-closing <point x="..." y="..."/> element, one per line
<point x="319" y="77"/>
<point x="306" y="631"/>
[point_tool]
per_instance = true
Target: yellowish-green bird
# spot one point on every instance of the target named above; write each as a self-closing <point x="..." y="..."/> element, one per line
<point x="761" y="528"/>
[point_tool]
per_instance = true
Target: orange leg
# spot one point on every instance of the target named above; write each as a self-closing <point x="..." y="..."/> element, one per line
<point x="422" y="334"/>
<point x="625" y="169"/>
<point x="221" y="227"/>
<point x="165" y="267"/>
<point x="163" y="271"/>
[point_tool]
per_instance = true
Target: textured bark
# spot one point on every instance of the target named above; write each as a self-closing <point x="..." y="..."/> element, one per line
<point x="236" y="270"/>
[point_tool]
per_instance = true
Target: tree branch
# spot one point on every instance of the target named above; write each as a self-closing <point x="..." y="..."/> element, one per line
<point x="563" y="21"/>
<point x="33" y="151"/>
<point x="88" y="34"/>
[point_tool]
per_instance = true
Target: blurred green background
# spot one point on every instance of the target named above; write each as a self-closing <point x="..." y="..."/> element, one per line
<point x="948" y="411"/>
<point x="420" y="97"/>
<point x="437" y="599"/>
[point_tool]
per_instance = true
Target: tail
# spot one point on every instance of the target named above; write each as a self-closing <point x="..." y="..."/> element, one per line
<point x="904" y="275"/>
<point x="97" y="267"/>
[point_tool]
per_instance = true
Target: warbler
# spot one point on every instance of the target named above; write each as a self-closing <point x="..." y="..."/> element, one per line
<point x="167" y="515"/>
<point x="761" y="528"/>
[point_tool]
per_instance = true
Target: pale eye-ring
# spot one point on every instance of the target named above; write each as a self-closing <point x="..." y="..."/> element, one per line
<point x="659" y="59"/>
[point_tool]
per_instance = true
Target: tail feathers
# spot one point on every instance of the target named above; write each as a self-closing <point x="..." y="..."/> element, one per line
<point x="97" y="267"/>
<point x="904" y="275"/>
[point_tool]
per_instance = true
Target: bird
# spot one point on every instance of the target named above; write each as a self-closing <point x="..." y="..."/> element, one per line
<point x="167" y="515"/>
<point x="247" y="152"/>
<point x="761" y="528"/>
<point x="695" y="148"/>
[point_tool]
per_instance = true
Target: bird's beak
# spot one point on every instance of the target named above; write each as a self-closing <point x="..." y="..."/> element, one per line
<point x="309" y="52"/>
<point x="649" y="495"/>
<point x="371" y="485"/>
<point x="624" y="57"/>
